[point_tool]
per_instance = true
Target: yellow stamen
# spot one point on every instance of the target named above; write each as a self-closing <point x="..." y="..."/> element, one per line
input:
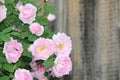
<point x="60" y="46"/>
<point x="41" y="48"/>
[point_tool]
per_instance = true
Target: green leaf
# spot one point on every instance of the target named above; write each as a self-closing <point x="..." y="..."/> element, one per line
<point x="32" y="38"/>
<point x="28" y="54"/>
<point x="17" y="64"/>
<point x="3" y="60"/>
<point x="49" y="62"/>
<point x="35" y="79"/>
<point x="49" y="9"/>
<point x="42" y="20"/>
<point x="1" y="3"/>
<point x="9" y="1"/>
<point x="7" y="30"/>
<point x="0" y="66"/>
<point x="16" y="34"/>
<point x="8" y="67"/>
<point x="4" y="78"/>
<point x="5" y="37"/>
<point x="10" y="9"/>
<point x="25" y="34"/>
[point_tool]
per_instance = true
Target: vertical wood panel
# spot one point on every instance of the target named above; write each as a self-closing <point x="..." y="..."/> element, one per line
<point x="74" y="30"/>
<point x="107" y="43"/>
<point x="92" y="25"/>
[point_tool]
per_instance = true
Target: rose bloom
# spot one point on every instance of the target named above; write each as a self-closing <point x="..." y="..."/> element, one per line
<point x="22" y="74"/>
<point x="27" y="13"/>
<point x="38" y="71"/>
<point x="42" y="77"/>
<point x="42" y="49"/>
<point x="36" y="29"/>
<point x="51" y="17"/>
<point x="3" y="12"/>
<point x="63" y="44"/>
<point x="63" y="66"/>
<point x="13" y="51"/>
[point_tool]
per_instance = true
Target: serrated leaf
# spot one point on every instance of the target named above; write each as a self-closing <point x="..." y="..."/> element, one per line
<point x="49" y="62"/>
<point x="28" y="54"/>
<point x="5" y="37"/>
<point x="7" y="30"/>
<point x="32" y="38"/>
<point x="10" y="1"/>
<point x="4" y="78"/>
<point x="42" y="20"/>
<point x="49" y="9"/>
<point x="3" y="60"/>
<point x="17" y="64"/>
<point x="8" y="67"/>
<point x="15" y="34"/>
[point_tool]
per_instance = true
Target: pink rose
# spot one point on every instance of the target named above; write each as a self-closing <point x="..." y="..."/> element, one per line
<point x="42" y="77"/>
<point x="33" y="64"/>
<point x="38" y="71"/>
<point x="22" y="74"/>
<point x="42" y="49"/>
<point x="13" y="51"/>
<point x="36" y="29"/>
<point x="63" y="66"/>
<point x="51" y="17"/>
<point x="27" y="13"/>
<point x="3" y="13"/>
<point x="63" y="44"/>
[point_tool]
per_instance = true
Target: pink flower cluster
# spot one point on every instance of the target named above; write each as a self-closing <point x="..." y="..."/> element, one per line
<point x="61" y="45"/>
<point x="41" y="49"/>
<point x="38" y="71"/>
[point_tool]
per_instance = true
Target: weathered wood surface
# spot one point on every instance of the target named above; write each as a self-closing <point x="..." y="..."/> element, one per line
<point x="94" y="26"/>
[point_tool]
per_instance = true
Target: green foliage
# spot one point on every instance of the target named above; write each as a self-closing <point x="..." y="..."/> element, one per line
<point x="13" y="27"/>
<point x="50" y="61"/>
<point x="49" y="9"/>
<point x="1" y="3"/>
<point x="4" y="78"/>
<point x="42" y="20"/>
<point x="8" y="67"/>
<point x="5" y="37"/>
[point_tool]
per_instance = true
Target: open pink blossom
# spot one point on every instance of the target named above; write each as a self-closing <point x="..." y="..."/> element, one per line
<point x="36" y="28"/>
<point x="27" y="13"/>
<point x="63" y="44"/>
<point x="3" y="12"/>
<point x="42" y="48"/>
<point x="22" y="74"/>
<point x="38" y="71"/>
<point x="33" y="65"/>
<point x="13" y="51"/>
<point x="42" y="77"/>
<point x="63" y="66"/>
<point x="51" y="17"/>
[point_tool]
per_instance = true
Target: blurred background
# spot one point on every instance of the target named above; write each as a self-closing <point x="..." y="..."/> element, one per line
<point x="94" y="26"/>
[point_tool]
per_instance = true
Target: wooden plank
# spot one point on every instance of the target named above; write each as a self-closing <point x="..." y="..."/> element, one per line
<point x="74" y="30"/>
<point x="107" y="43"/>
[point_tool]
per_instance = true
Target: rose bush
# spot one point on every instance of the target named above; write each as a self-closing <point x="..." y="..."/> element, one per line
<point x="29" y="50"/>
